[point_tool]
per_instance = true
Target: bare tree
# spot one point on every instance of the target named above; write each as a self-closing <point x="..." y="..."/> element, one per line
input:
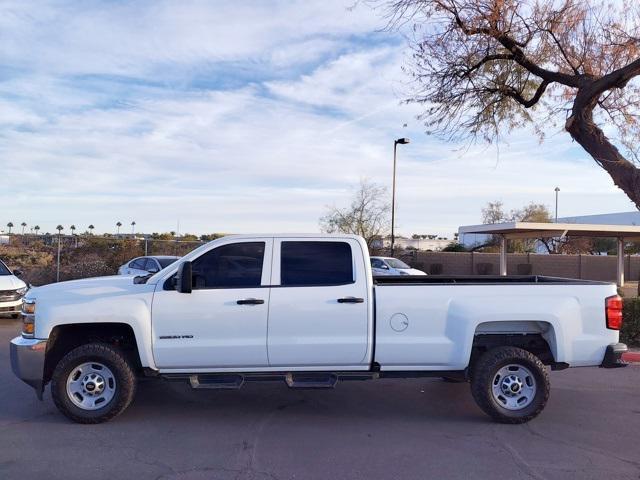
<point x="532" y="212"/>
<point x="493" y="213"/>
<point x="537" y="213"/>
<point x="482" y="67"/>
<point x="367" y="216"/>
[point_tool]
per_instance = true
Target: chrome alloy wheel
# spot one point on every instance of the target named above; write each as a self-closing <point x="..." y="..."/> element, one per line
<point x="91" y="386"/>
<point x="514" y="387"/>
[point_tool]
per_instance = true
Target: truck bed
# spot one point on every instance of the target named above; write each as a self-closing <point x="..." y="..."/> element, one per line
<point x="478" y="280"/>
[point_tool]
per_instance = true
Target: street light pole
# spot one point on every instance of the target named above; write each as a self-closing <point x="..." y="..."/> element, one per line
<point x="557" y="189"/>
<point x="401" y="141"/>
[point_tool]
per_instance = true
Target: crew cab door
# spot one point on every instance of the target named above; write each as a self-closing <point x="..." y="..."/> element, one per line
<point x="222" y="323"/>
<point x="319" y="306"/>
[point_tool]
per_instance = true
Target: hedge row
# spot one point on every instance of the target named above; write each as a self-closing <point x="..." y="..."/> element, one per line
<point x="630" y="333"/>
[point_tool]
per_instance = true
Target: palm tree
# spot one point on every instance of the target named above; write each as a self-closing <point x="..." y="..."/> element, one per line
<point x="73" y="233"/>
<point x="133" y="227"/>
<point x="59" y="228"/>
<point x="23" y="224"/>
<point x="118" y="225"/>
<point x="36" y="228"/>
<point x="91" y="227"/>
<point x="10" y="225"/>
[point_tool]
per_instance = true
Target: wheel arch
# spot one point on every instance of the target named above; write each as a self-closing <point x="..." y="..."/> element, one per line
<point x="536" y="337"/>
<point x="66" y="337"/>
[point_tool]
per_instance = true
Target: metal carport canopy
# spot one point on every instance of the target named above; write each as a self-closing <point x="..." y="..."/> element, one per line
<point x="522" y="230"/>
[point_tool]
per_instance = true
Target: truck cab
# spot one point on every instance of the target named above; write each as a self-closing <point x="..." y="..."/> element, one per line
<point x="256" y="303"/>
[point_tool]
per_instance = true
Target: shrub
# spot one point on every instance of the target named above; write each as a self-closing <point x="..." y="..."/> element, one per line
<point x="455" y="247"/>
<point x="630" y="333"/>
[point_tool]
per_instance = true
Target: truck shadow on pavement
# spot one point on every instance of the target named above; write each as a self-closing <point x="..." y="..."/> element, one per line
<point x="429" y="400"/>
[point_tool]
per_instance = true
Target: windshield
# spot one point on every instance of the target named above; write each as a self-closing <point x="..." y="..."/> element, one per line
<point x="3" y="269"/>
<point x="165" y="262"/>
<point x="395" y="263"/>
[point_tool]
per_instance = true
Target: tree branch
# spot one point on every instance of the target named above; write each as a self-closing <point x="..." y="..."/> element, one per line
<point x="516" y="48"/>
<point x="616" y="79"/>
<point x="517" y="96"/>
<point x="489" y="58"/>
<point x="519" y="56"/>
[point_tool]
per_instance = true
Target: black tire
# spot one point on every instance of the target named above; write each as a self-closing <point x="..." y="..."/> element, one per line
<point x="15" y="315"/>
<point x="485" y="372"/>
<point x="115" y="361"/>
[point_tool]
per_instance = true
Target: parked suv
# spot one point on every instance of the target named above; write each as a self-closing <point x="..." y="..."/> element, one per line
<point x="146" y="265"/>
<point x="12" y="289"/>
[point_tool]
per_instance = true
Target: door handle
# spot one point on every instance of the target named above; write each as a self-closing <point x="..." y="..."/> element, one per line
<point x="250" y="301"/>
<point x="351" y="300"/>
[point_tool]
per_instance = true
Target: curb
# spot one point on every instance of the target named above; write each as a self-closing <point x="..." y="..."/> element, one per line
<point x="631" y="357"/>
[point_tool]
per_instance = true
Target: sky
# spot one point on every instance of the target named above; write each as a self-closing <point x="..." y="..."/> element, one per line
<point x="250" y="116"/>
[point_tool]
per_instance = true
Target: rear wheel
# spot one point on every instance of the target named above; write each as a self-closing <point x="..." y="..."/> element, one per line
<point x="93" y="383"/>
<point x="510" y="384"/>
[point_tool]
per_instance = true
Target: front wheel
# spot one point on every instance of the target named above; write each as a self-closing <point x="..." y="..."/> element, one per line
<point x="510" y="384"/>
<point x="93" y="383"/>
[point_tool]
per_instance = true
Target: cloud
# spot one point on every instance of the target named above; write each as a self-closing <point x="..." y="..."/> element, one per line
<point x="250" y="116"/>
<point x="142" y="39"/>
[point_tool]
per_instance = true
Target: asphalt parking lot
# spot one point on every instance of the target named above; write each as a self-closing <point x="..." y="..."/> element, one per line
<point x="391" y="429"/>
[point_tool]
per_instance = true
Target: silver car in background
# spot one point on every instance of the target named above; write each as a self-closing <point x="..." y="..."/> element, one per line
<point x="146" y="265"/>
<point x="392" y="266"/>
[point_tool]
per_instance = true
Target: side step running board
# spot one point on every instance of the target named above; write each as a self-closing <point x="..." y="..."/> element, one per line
<point x="310" y="380"/>
<point x="216" y="381"/>
<point x="292" y="379"/>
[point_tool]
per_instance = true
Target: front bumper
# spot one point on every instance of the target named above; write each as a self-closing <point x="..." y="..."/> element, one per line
<point x="27" y="361"/>
<point x="613" y="356"/>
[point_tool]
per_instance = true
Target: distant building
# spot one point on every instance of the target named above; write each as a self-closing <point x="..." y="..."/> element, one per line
<point x="423" y="244"/>
<point x="622" y="218"/>
<point x="470" y="240"/>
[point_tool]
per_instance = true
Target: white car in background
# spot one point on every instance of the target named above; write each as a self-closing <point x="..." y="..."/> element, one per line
<point x="392" y="266"/>
<point x="146" y="265"/>
<point x="12" y="289"/>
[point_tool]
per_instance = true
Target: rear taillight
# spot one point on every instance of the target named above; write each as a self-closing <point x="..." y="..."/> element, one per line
<point x="613" y="312"/>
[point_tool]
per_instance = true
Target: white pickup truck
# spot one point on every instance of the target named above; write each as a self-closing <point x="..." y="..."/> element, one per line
<point x="306" y="310"/>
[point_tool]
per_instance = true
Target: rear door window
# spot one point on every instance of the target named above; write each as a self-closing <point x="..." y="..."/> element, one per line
<point x="138" y="263"/>
<point x="315" y="264"/>
<point x="377" y="263"/>
<point x="165" y="262"/>
<point x="151" y="265"/>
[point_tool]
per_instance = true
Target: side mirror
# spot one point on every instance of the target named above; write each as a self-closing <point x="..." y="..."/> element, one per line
<point x="184" y="278"/>
<point x="385" y="266"/>
<point x="17" y="272"/>
<point x="153" y="270"/>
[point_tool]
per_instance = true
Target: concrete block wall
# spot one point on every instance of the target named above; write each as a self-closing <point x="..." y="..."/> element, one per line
<point x="587" y="267"/>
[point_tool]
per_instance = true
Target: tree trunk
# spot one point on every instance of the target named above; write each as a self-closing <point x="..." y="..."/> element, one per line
<point x="583" y="130"/>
